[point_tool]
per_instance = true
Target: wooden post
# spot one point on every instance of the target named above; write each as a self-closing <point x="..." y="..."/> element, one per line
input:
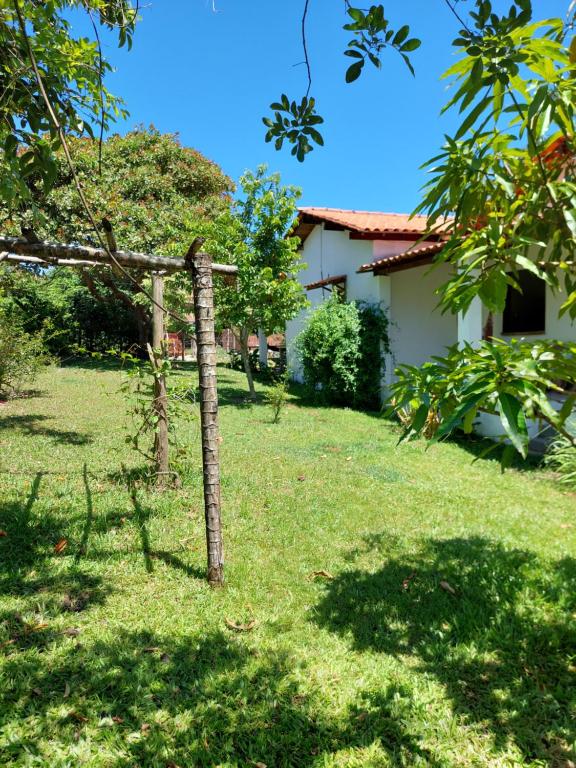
<point x="200" y="265"/>
<point x="161" y="445"/>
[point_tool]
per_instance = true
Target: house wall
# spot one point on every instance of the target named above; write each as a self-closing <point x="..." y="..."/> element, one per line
<point x="419" y="329"/>
<point x="327" y="254"/>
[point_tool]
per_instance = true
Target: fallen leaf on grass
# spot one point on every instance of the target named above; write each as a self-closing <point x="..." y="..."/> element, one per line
<point x="3" y="533"/>
<point x="301" y="478"/>
<point x="35" y="627"/>
<point x="66" y="691"/>
<point x="73" y="715"/>
<point x="407" y="580"/>
<point x="117" y="720"/>
<point x="241" y="627"/>
<point x="447" y="587"/>
<point x="71" y="632"/>
<point x="260" y="765"/>
<point x="321" y="575"/>
<point x="152" y="649"/>
<point x="348" y="458"/>
<point x="36" y="691"/>
<point x="60" y="546"/>
<point x="562" y="525"/>
<point x="145" y="727"/>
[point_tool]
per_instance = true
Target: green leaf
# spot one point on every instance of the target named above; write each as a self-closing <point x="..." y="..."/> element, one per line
<point x="354" y="71"/>
<point x="514" y="422"/>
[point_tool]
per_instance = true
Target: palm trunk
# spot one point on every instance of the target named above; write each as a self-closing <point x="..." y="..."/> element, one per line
<point x="200" y="265"/>
<point x="244" y="334"/>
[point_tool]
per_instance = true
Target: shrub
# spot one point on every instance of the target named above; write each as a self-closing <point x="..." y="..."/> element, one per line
<point x="276" y="397"/>
<point x="329" y="349"/>
<point x="341" y="350"/>
<point x="374" y="344"/>
<point x="22" y="355"/>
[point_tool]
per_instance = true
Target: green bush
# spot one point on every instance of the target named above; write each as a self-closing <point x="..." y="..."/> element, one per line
<point x="22" y="355"/>
<point x="329" y="349"/>
<point x="341" y="351"/>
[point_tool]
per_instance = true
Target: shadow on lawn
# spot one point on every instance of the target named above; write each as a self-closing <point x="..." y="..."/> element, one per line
<point x="196" y="700"/>
<point x="27" y="566"/>
<point x="33" y="425"/>
<point x="500" y="645"/>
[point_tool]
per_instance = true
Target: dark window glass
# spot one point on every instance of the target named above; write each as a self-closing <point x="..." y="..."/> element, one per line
<point x="525" y="312"/>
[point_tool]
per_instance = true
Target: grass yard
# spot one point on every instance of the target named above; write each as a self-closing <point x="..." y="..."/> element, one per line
<point x="439" y="630"/>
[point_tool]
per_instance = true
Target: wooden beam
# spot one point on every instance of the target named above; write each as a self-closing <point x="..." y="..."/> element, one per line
<point x="51" y="251"/>
<point x="403" y="265"/>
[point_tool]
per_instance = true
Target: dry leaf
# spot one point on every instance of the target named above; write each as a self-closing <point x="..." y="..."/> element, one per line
<point x="241" y="627"/>
<point x="447" y="587"/>
<point x="66" y="691"/>
<point x="407" y="580"/>
<point x="73" y="715"/>
<point x="301" y="478"/>
<point x="71" y="632"/>
<point x="3" y="533"/>
<point x="321" y="575"/>
<point x="562" y="525"/>
<point x="260" y="765"/>
<point x="145" y="727"/>
<point x="348" y="458"/>
<point x="117" y="720"/>
<point x="60" y="546"/>
<point x="152" y="649"/>
<point x="37" y="691"/>
<point x="35" y="627"/>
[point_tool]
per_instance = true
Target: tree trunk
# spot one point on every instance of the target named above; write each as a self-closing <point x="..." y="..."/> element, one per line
<point x="262" y="349"/>
<point x="161" y="445"/>
<point x="244" y="333"/>
<point x="200" y="265"/>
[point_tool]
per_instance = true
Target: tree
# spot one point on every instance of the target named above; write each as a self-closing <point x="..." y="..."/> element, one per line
<point x="256" y="235"/>
<point x="147" y="185"/>
<point x="52" y="85"/>
<point x="507" y="179"/>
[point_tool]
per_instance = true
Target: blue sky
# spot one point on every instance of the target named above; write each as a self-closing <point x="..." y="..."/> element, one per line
<point x="210" y="77"/>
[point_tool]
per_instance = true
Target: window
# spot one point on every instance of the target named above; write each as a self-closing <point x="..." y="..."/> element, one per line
<point x="525" y="311"/>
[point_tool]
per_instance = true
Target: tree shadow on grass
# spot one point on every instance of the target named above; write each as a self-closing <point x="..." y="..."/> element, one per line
<point x="199" y="700"/>
<point x="33" y="426"/>
<point x="495" y="626"/>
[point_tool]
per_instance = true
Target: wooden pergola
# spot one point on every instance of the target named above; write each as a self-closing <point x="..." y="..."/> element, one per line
<point x="201" y="268"/>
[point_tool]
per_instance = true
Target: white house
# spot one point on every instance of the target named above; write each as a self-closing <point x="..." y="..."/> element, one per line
<point x="381" y="257"/>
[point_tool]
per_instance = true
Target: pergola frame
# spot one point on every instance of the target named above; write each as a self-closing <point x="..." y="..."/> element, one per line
<point x="201" y="269"/>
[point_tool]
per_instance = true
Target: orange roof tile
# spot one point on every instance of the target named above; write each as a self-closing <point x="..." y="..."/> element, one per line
<point x="412" y="257"/>
<point x="363" y="222"/>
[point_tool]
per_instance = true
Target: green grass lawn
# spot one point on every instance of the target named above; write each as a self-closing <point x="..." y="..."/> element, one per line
<point x="115" y="652"/>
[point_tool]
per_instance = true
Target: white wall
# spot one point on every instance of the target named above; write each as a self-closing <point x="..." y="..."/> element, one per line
<point x="419" y="329"/>
<point x="328" y="254"/>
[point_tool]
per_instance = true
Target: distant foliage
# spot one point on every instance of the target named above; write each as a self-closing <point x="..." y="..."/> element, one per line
<point x="22" y="356"/>
<point x="329" y="349"/>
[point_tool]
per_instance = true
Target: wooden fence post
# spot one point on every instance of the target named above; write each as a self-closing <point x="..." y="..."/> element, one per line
<point x="161" y="444"/>
<point x="200" y="265"/>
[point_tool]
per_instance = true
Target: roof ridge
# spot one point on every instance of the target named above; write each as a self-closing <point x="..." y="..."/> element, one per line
<point x="356" y="210"/>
